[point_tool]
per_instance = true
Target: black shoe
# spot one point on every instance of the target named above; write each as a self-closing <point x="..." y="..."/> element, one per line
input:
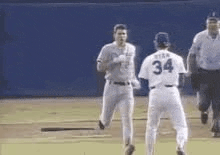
<point x="215" y="126"/>
<point x="129" y="149"/>
<point x="101" y="126"/>
<point x="204" y="117"/>
<point x="180" y="151"/>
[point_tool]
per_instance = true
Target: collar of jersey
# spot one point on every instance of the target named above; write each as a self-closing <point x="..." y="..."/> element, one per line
<point x="209" y="37"/>
<point x="114" y="43"/>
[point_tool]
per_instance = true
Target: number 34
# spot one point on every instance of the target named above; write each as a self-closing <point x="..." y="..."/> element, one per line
<point x="158" y="65"/>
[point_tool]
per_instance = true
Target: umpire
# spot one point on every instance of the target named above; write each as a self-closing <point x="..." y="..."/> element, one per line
<point x="203" y="64"/>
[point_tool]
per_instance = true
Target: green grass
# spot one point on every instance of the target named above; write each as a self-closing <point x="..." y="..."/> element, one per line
<point x="48" y="110"/>
<point x="70" y="109"/>
<point x="73" y="109"/>
<point x="194" y="147"/>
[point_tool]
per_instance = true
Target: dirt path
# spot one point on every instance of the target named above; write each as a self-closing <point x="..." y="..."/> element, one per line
<point x="56" y="108"/>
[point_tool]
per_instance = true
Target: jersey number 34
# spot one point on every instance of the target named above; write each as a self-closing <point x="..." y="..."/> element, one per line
<point x="160" y="67"/>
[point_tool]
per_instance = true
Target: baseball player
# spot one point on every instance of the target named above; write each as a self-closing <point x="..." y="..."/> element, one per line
<point x="116" y="59"/>
<point x="203" y="65"/>
<point x="163" y="70"/>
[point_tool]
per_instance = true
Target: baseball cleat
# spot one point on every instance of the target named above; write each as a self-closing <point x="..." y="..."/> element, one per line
<point x="180" y="151"/>
<point x="129" y="149"/>
<point x="216" y="134"/>
<point x="215" y="126"/>
<point x="204" y="117"/>
<point x="101" y="126"/>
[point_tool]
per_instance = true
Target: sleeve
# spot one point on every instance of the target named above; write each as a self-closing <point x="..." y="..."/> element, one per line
<point x="133" y="57"/>
<point x="195" y="45"/>
<point x="102" y="60"/>
<point x="144" y="70"/>
<point x="102" y="57"/>
<point x="193" y="54"/>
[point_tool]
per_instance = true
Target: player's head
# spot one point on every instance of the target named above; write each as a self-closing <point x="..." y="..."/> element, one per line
<point x="120" y="34"/>
<point x="212" y="23"/>
<point x="161" y="40"/>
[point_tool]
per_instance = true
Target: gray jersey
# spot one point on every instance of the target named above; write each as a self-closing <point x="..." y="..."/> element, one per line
<point x="207" y="50"/>
<point x="120" y="71"/>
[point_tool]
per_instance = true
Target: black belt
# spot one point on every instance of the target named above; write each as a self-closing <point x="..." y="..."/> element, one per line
<point x="119" y="83"/>
<point x="208" y="71"/>
<point x="164" y="85"/>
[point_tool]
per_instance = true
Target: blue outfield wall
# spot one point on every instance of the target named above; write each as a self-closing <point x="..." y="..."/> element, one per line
<point x="55" y="46"/>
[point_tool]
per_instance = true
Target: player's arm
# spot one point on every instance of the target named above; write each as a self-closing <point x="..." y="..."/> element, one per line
<point x="103" y="65"/>
<point x="191" y="58"/>
<point x="181" y="80"/>
<point x="144" y="85"/>
<point x="192" y="70"/>
<point x="143" y="75"/>
<point x="103" y="61"/>
<point x="182" y="72"/>
<point x="192" y="66"/>
<point x="191" y="63"/>
<point x="135" y="82"/>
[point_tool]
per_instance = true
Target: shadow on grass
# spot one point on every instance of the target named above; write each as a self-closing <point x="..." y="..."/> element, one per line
<point x="52" y="129"/>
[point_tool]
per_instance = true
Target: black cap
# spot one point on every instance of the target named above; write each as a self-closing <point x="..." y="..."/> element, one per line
<point x="212" y="18"/>
<point x="162" y="38"/>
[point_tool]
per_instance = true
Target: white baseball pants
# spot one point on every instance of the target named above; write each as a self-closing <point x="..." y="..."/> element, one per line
<point x="165" y="99"/>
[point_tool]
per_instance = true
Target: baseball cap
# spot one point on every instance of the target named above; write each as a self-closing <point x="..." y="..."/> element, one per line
<point x="162" y="38"/>
<point x="212" y="18"/>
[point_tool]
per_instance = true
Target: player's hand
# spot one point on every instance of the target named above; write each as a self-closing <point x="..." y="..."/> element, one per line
<point x="121" y="58"/>
<point x="136" y="84"/>
<point x="188" y="74"/>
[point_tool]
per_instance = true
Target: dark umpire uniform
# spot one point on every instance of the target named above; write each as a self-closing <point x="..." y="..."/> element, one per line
<point x="203" y="64"/>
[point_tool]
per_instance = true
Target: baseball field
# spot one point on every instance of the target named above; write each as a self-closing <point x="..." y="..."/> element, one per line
<point x="55" y="126"/>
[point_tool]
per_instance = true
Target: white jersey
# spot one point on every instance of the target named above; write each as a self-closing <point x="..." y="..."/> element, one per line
<point x="162" y="68"/>
<point x="207" y="50"/>
<point x="121" y="71"/>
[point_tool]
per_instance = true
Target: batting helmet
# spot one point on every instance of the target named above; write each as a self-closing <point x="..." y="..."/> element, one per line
<point x="162" y="40"/>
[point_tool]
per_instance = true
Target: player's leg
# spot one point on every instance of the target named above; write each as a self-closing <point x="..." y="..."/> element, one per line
<point x="180" y="126"/>
<point x="108" y="106"/>
<point x="216" y="108"/>
<point x="178" y="118"/>
<point x="126" y="106"/>
<point x="126" y="111"/>
<point x="151" y="129"/>
<point x="153" y="120"/>
<point x="204" y="101"/>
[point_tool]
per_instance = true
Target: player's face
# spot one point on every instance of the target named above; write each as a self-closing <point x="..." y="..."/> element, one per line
<point x="120" y="36"/>
<point x="213" y="26"/>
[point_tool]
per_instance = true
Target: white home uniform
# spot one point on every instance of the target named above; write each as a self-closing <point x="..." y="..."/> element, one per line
<point x="118" y="90"/>
<point x="162" y="70"/>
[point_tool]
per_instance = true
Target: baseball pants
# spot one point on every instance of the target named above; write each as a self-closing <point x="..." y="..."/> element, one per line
<point x="209" y="92"/>
<point x="165" y="99"/>
<point x="120" y="96"/>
